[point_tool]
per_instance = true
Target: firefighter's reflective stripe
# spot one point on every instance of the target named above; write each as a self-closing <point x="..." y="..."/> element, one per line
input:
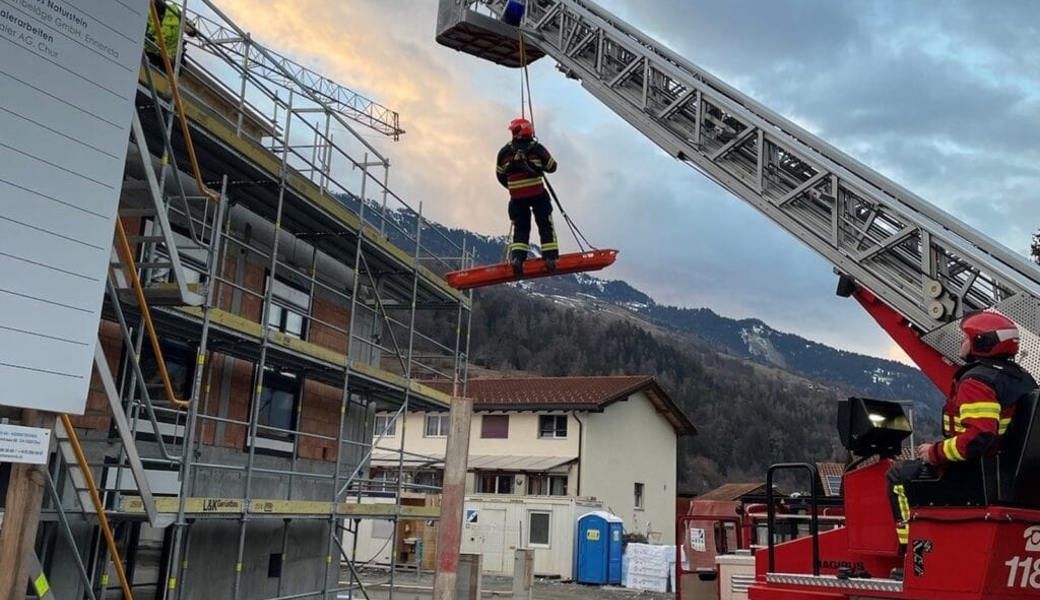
<point x="501" y="169"/>
<point x="902" y="528"/>
<point x="518" y="247"/>
<point x="524" y="183"/>
<point x="956" y="425"/>
<point x="949" y="448"/>
<point x="980" y="410"/>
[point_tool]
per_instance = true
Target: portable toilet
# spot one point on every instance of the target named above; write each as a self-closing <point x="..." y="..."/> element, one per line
<point x="599" y="548"/>
<point x="615" y="550"/>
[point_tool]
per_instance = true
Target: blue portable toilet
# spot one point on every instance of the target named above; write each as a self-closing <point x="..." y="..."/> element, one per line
<point x="614" y="551"/>
<point x="598" y="559"/>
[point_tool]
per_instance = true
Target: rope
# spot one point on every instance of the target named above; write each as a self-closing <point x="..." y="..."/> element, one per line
<point x="579" y="237"/>
<point x="525" y="80"/>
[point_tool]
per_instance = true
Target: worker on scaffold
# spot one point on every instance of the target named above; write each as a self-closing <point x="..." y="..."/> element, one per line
<point x="520" y="167"/>
<point x="978" y="410"/>
<point x="170" y="29"/>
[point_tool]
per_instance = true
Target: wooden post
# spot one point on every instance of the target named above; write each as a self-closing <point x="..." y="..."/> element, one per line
<point x="22" y="516"/>
<point x="453" y="495"/>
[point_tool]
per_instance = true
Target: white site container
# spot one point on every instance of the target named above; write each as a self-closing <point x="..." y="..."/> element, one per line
<point x="736" y="574"/>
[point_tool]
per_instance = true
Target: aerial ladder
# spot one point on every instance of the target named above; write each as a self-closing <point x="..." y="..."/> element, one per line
<point x="915" y="268"/>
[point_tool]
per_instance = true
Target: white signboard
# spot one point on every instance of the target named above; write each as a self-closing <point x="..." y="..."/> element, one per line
<point x="68" y="71"/>
<point x="24" y="444"/>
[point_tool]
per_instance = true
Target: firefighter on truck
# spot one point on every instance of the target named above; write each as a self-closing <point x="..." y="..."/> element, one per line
<point x="978" y="409"/>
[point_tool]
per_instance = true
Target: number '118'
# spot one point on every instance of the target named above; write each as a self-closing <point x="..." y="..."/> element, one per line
<point x="1025" y="570"/>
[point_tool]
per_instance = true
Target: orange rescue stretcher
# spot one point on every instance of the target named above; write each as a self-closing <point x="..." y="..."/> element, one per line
<point x="574" y="262"/>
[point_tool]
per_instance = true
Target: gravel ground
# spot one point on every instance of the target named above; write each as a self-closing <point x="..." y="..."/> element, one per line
<point x="409" y="587"/>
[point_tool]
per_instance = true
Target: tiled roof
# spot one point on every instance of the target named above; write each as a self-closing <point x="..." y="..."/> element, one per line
<point x="733" y="491"/>
<point x="568" y="393"/>
<point x="830" y="477"/>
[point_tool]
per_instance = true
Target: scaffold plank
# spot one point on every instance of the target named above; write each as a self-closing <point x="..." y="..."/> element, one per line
<point x="132" y="505"/>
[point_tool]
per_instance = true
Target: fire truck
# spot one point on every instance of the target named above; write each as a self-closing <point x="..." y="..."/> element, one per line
<point x="912" y="266"/>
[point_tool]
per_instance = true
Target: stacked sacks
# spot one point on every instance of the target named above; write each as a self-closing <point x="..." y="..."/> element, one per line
<point x="648" y="567"/>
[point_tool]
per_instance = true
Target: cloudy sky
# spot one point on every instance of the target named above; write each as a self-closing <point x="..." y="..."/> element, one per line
<point x="942" y="97"/>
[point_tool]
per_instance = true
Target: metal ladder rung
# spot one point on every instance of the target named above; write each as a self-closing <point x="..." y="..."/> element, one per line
<point x="134" y="239"/>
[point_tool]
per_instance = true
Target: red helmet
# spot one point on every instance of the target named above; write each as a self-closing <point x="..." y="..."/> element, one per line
<point x="521" y="127"/>
<point x="989" y="334"/>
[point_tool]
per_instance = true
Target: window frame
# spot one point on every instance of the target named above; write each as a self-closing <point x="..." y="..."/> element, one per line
<point x="287" y="307"/>
<point x="639" y="495"/>
<point x="377" y="431"/>
<point x="555" y="434"/>
<point x="545" y="484"/>
<point x="283" y="382"/>
<point x="498" y="477"/>
<point x="484" y="433"/>
<point x="548" y="529"/>
<point x="444" y="424"/>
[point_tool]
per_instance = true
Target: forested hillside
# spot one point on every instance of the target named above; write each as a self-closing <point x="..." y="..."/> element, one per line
<point x="756" y="395"/>
<point x="747" y="415"/>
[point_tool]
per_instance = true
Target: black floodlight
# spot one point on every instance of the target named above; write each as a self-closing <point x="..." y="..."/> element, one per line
<point x="867" y="427"/>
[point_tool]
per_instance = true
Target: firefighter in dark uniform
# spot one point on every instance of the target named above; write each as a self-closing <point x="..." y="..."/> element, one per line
<point x="979" y="408"/>
<point x="520" y="166"/>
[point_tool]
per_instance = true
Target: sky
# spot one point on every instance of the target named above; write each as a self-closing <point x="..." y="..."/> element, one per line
<point x="942" y="97"/>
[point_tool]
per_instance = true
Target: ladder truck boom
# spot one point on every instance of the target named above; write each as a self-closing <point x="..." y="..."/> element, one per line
<point x="916" y="268"/>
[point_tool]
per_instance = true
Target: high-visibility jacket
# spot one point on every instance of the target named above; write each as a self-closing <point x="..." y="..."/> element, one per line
<point x="980" y="408"/>
<point x="520" y="166"/>
<point x="170" y="23"/>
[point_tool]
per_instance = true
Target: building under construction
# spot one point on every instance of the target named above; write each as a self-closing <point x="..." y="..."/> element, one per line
<point x="261" y="307"/>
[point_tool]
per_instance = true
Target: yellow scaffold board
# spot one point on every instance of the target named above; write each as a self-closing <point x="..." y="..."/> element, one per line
<point x="237" y="506"/>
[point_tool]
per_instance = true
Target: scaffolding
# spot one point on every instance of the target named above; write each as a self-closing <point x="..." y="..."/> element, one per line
<point x="272" y="254"/>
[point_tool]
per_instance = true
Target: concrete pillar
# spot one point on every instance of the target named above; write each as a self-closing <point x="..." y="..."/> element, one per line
<point x="467" y="586"/>
<point x="523" y="573"/>
<point x="453" y="495"/>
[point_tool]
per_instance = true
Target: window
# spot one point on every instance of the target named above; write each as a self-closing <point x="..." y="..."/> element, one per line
<point x="639" y="495"/>
<point x="387" y="424"/>
<point x="180" y="364"/>
<point x="382" y="480"/>
<point x="290" y="306"/>
<point x="538" y="528"/>
<point x="494" y="426"/>
<point x="552" y="426"/>
<point x="496" y="483"/>
<point x="433" y="478"/>
<point x="437" y="425"/>
<point x="547" y="485"/>
<point x="278" y="403"/>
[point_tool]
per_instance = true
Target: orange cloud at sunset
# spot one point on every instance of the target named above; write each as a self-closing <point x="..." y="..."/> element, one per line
<point x="382" y="49"/>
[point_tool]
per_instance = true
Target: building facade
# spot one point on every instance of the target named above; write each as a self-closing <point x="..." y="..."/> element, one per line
<point x="608" y="441"/>
<point x="275" y="269"/>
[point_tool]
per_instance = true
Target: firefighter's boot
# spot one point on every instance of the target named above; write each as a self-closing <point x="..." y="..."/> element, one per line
<point x="516" y="259"/>
<point x="550" y="264"/>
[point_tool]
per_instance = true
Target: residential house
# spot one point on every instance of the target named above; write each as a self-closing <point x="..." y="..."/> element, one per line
<point x="608" y="439"/>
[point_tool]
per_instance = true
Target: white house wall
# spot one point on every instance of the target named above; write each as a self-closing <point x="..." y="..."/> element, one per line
<point x="523" y="438"/>
<point x="627" y="443"/>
